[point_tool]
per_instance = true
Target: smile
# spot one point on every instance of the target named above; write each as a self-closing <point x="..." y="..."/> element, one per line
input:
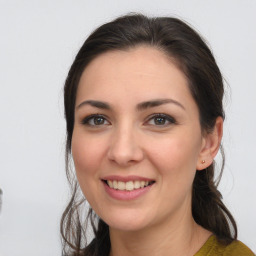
<point x="127" y="188"/>
<point x="129" y="185"/>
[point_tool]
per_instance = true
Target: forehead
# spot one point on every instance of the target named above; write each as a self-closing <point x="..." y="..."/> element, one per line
<point x="145" y="59"/>
<point x="142" y="73"/>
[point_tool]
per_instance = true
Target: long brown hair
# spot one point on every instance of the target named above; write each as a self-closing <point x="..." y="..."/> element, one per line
<point x="191" y="54"/>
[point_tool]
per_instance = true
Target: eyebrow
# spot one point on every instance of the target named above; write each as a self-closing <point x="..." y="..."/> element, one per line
<point x="158" y="102"/>
<point x="94" y="103"/>
<point x="141" y="106"/>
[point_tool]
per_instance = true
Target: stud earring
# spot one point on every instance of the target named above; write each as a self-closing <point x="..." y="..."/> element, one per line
<point x="203" y="161"/>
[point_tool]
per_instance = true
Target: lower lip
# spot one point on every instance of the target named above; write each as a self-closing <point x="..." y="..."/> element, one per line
<point x="126" y="195"/>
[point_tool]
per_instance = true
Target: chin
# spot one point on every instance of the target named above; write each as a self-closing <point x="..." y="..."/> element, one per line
<point x="127" y="223"/>
<point x="127" y="226"/>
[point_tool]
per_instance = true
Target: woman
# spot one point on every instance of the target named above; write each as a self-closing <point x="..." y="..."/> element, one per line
<point x="143" y="105"/>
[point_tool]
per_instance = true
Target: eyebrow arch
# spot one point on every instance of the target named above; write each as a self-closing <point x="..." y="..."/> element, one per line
<point x="156" y="103"/>
<point x="94" y="103"/>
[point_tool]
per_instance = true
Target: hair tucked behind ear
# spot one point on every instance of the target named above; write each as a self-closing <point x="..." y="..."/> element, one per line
<point x="190" y="53"/>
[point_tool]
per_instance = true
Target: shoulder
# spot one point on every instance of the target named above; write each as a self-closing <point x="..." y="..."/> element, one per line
<point x="237" y="248"/>
<point x="213" y="247"/>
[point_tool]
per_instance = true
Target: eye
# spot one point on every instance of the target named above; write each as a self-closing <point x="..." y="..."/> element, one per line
<point x="95" y="120"/>
<point x="161" y="120"/>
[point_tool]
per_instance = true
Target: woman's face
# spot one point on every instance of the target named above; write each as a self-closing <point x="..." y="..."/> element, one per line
<point x="137" y="140"/>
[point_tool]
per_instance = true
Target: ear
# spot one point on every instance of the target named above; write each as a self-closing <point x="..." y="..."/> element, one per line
<point x="210" y="145"/>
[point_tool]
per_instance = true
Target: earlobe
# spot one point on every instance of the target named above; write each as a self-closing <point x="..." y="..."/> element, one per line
<point x="210" y="145"/>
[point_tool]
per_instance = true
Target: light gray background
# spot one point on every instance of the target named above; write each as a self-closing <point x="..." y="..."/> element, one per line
<point x="38" y="41"/>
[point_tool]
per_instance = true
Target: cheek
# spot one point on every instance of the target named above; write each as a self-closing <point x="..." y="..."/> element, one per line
<point x="176" y="155"/>
<point x="86" y="153"/>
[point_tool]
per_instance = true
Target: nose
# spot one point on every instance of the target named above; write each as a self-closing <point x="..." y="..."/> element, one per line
<point x="125" y="149"/>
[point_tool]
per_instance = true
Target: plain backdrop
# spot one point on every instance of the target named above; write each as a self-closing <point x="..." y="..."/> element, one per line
<point x="38" y="42"/>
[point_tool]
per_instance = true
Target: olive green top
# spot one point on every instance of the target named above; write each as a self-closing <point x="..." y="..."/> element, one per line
<point x="213" y="248"/>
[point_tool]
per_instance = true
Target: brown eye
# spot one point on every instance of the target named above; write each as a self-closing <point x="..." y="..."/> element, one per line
<point x="95" y="120"/>
<point x="161" y="120"/>
<point x="98" y="120"/>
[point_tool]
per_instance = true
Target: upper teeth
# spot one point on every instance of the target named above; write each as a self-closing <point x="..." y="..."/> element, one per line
<point x="129" y="185"/>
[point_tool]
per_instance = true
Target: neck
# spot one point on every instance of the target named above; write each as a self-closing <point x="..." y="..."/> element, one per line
<point x="179" y="237"/>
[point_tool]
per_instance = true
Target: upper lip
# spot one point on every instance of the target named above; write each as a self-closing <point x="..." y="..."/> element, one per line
<point x="126" y="178"/>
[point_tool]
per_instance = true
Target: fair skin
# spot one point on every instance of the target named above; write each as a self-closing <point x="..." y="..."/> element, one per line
<point x="135" y="120"/>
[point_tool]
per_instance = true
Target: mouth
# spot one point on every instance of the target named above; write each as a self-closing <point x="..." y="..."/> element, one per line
<point x="129" y="185"/>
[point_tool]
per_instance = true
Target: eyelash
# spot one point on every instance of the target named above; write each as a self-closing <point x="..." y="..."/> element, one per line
<point x="166" y="118"/>
<point x="89" y="118"/>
